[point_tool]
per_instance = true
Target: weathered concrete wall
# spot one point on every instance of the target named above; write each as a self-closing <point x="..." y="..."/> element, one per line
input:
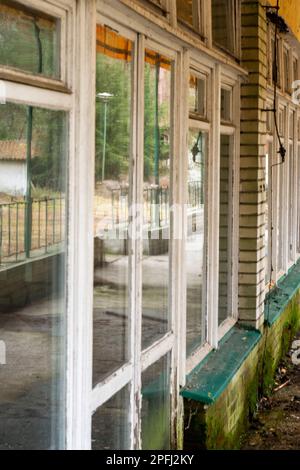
<point x="28" y="281"/>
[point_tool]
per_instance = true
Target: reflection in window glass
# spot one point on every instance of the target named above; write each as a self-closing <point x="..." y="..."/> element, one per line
<point x="267" y="210"/>
<point x="295" y="70"/>
<point x="29" y="41"/>
<point x="223" y="24"/>
<point x="33" y="192"/>
<point x="276" y="69"/>
<point x="197" y="95"/>
<point x="298" y="212"/>
<point x="112" y="199"/>
<point x="226" y="105"/>
<point x="111" y="423"/>
<point x="225" y="226"/>
<point x="156" y="195"/>
<point x="280" y="218"/>
<point x="291" y="125"/>
<point x="286" y="70"/>
<point x="187" y="11"/>
<point x="156" y="406"/>
<point x="291" y="201"/>
<point x="195" y="327"/>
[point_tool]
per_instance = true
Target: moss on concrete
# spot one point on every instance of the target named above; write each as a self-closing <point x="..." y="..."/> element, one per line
<point x="222" y="424"/>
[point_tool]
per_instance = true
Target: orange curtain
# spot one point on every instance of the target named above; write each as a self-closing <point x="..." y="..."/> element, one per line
<point x="115" y="46"/>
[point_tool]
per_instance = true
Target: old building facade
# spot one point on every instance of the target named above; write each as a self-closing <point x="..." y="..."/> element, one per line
<point x="149" y="278"/>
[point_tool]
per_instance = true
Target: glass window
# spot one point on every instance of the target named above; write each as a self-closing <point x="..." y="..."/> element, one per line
<point x="112" y="201"/>
<point x="111" y="423"/>
<point x="268" y="207"/>
<point x="226" y="105"/>
<point x="188" y="12"/>
<point x="298" y="208"/>
<point x="156" y="405"/>
<point x="275" y="64"/>
<point x="286" y="71"/>
<point x="291" y="201"/>
<point x="295" y="70"/>
<point x="156" y="197"/>
<point x="280" y="215"/>
<point x="195" y="327"/>
<point x="225" y="230"/>
<point x="29" y="41"/>
<point x="33" y="207"/>
<point x="197" y="95"/>
<point x="224" y="23"/>
<point x="270" y="119"/>
<point x="291" y="124"/>
<point x="281" y="121"/>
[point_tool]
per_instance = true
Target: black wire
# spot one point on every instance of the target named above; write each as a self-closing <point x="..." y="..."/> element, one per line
<point x="282" y="152"/>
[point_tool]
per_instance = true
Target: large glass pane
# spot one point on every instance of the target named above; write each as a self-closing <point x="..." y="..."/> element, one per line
<point x="111" y="423"/>
<point x="226" y="105"/>
<point x="291" y="201"/>
<point x="157" y="164"/>
<point x="156" y="423"/>
<point x="195" y="315"/>
<point x="29" y="41"/>
<point x="223" y="23"/>
<point x="225" y="226"/>
<point x="33" y="192"/>
<point x="197" y="95"/>
<point x="268" y="207"/>
<point x="298" y="195"/>
<point x="188" y="12"/>
<point x="112" y="200"/>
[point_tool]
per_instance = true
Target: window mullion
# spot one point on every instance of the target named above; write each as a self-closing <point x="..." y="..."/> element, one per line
<point x="136" y="340"/>
<point x="235" y="201"/>
<point x="79" y="385"/>
<point x="213" y="213"/>
<point x="182" y="201"/>
<point x="285" y="211"/>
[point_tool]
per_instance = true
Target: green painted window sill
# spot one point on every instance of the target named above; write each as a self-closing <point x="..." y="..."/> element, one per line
<point x="210" y="378"/>
<point x="281" y="295"/>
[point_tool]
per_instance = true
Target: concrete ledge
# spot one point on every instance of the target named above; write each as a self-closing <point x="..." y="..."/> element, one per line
<point x="210" y="378"/>
<point x="280" y="296"/>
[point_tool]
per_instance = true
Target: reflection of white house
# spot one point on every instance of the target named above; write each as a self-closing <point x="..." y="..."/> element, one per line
<point x="13" y="172"/>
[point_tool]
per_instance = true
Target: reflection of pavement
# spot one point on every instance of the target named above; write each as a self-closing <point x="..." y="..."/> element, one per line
<point x="111" y="311"/>
<point x="29" y="405"/>
<point x="194" y="260"/>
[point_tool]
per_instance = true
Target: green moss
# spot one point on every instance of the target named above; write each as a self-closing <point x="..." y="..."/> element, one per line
<point x="252" y="395"/>
<point x="222" y="424"/>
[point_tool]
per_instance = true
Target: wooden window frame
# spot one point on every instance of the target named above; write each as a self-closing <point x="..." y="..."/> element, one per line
<point x="82" y="398"/>
<point x="64" y="12"/>
<point x="235" y="9"/>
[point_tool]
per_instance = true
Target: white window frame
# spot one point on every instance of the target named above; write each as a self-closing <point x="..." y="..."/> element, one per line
<point x="26" y="89"/>
<point x="217" y="78"/>
<point x="78" y="56"/>
<point x="24" y="94"/>
<point x="64" y="12"/>
<point x="233" y="129"/>
<point x="140" y="360"/>
<point x="292" y="138"/>
<point x="235" y="9"/>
